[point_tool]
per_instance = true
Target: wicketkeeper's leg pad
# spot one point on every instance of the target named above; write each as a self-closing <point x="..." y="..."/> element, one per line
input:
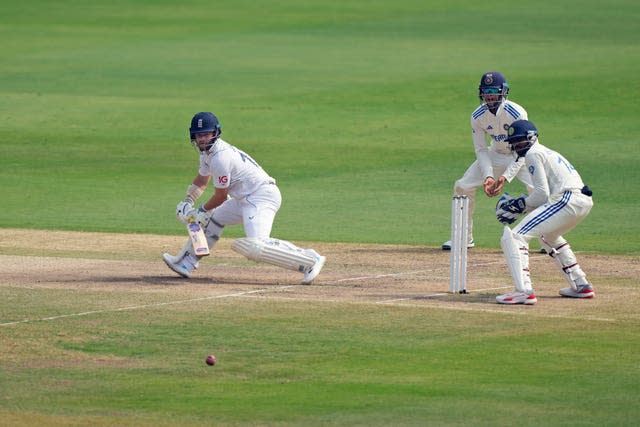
<point x="568" y="263"/>
<point x="516" y="253"/>
<point x="276" y="252"/>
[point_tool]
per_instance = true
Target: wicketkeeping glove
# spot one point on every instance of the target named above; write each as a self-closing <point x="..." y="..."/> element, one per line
<point x="509" y="208"/>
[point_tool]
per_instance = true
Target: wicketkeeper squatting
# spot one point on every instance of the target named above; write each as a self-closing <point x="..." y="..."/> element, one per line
<point x="244" y="194"/>
<point x="558" y="203"/>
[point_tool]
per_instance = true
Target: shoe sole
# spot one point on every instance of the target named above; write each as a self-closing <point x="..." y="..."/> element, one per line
<point x="580" y="296"/>
<point x="525" y="302"/>
<point x="316" y="270"/>
<point x="528" y="301"/>
<point x="172" y="267"/>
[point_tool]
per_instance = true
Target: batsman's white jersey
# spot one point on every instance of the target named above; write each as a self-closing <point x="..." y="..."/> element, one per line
<point x="233" y="169"/>
<point x="255" y="198"/>
<point x="557" y="203"/>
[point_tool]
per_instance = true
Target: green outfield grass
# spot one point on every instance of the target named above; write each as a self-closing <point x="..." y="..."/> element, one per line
<point x="310" y="364"/>
<point x="360" y="110"/>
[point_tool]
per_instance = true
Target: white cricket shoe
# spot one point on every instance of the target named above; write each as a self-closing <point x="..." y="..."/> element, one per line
<point x="313" y="272"/>
<point x="517" y="298"/>
<point x="583" y="291"/>
<point x="446" y="246"/>
<point x="183" y="266"/>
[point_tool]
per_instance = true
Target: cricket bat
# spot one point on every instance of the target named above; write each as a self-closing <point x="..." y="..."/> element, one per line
<point x="198" y="239"/>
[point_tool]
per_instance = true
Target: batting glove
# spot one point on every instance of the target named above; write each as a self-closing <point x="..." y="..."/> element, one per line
<point x="182" y="211"/>
<point x="200" y="215"/>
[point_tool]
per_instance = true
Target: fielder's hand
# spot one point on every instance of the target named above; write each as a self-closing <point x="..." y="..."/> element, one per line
<point x="488" y="185"/>
<point x="497" y="186"/>
<point x="182" y="211"/>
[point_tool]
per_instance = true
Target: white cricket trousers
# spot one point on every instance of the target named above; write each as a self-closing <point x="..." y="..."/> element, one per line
<point x="256" y="212"/>
<point x="558" y="216"/>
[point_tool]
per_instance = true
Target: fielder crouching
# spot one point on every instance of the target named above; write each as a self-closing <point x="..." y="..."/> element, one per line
<point x="244" y="194"/>
<point x="559" y="201"/>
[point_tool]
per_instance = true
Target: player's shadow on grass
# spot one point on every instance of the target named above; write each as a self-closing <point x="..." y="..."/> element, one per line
<point x="396" y="250"/>
<point x="471" y="297"/>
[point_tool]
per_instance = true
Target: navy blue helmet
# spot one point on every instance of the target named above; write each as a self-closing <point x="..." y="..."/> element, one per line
<point x="493" y="89"/>
<point x="521" y="135"/>
<point x="205" y="122"/>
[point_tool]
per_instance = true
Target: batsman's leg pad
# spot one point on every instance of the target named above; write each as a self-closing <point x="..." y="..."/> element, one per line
<point x="516" y="253"/>
<point x="276" y="252"/>
<point x="568" y="263"/>
<point x="213" y="231"/>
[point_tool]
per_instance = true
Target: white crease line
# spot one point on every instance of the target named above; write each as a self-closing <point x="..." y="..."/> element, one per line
<point x="380" y="276"/>
<point x="237" y="294"/>
<point x="136" y="307"/>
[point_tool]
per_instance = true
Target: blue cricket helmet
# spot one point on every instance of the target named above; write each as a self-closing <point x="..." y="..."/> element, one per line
<point x="493" y="83"/>
<point x="521" y="135"/>
<point x="205" y="122"/>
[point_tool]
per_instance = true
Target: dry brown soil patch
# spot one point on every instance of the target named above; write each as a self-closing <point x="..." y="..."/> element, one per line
<point x="354" y="273"/>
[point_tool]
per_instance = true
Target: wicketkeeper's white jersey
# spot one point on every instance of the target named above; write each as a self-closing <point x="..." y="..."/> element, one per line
<point x="552" y="175"/>
<point x="484" y="123"/>
<point x="231" y="168"/>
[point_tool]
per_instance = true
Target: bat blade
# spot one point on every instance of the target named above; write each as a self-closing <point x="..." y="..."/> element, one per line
<point x="198" y="239"/>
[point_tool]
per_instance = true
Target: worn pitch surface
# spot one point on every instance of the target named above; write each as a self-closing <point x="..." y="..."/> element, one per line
<point x="354" y="273"/>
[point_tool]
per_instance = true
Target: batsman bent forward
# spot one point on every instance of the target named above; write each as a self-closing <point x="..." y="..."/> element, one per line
<point x="244" y="194"/>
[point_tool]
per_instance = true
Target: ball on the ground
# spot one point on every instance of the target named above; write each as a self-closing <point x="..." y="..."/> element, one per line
<point x="211" y="360"/>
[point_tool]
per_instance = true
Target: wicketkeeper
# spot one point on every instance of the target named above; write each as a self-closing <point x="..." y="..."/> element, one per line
<point x="244" y="194"/>
<point x="559" y="201"/>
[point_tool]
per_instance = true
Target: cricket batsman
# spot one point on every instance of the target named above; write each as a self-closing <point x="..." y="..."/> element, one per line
<point x="244" y="194"/>
<point x="558" y="203"/>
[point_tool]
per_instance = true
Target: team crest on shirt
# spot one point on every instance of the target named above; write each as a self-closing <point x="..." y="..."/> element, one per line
<point x="506" y="127"/>
<point x="531" y="169"/>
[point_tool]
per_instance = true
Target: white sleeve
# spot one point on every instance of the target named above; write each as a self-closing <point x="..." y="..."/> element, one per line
<point x="221" y="169"/>
<point x="482" y="151"/>
<point x="203" y="169"/>
<point x="513" y="169"/>
<point x="540" y="193"/>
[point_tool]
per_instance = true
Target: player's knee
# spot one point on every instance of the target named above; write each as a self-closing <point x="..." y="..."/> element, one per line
<point x="509" y="235"/>
<point x="461" y="190"/>
<point x="249" y="247"/>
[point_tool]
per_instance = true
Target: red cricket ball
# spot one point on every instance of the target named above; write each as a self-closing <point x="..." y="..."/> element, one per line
<point x="211" y="360"/>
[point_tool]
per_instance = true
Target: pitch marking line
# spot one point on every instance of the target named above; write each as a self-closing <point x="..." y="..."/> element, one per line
<point x="137" y="307"/>
<point x="236" y="294"/>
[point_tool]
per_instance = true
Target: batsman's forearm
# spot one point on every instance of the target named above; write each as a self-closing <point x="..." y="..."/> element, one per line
<point x="194" y="192"/>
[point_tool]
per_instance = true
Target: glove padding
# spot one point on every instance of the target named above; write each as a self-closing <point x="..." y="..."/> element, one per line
<point x="182" y="210"/>
<point x="200" y="215"/>
<point x="509" y="208"/>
